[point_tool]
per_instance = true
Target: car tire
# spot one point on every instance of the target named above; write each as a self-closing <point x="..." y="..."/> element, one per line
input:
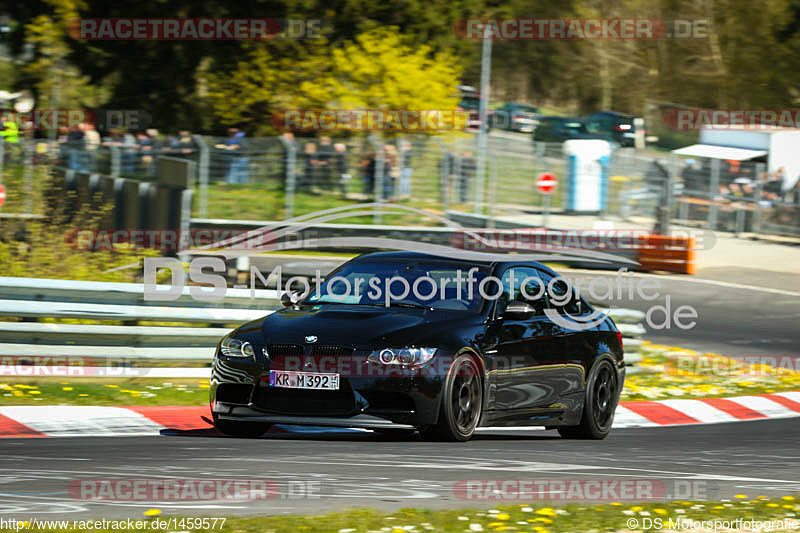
<point x="235" y="428"/>
<point x="461" y="402"/>
<point x="602" y="395"/>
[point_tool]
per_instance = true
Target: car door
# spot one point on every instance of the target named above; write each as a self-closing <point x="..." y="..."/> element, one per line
<point x="564" y="307"/>
<point x="527" y="351"/>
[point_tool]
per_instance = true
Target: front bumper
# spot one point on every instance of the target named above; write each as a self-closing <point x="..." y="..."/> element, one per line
<point x="240" y="390"/>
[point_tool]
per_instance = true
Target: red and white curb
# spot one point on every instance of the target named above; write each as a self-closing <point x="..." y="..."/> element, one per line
<point x="89" y="421"/>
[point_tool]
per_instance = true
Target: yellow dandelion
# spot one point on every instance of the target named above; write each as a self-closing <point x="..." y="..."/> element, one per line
<point x="35" y="392"/>
<point x="788" y="498"/>
<point x="546" y="511"/>
<point x="741" y="496"/>
<point x="660" y="511"/>
<point x="503" y="516"/>
<point x="152" y="512"/>
<point x="773" y="505"/>
<point x="112" y="386"/>
<point x="637" y="508"/>
<point x="83" y="395"/>
<point x="542" y="519"/>
<point x="495" y="524"/>
<point x="66" y="388"/>
<point x="616" y="504"/>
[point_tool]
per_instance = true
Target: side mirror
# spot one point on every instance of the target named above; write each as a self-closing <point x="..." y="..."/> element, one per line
<point x="519" y="310"/>
<point x="287" y="299"/>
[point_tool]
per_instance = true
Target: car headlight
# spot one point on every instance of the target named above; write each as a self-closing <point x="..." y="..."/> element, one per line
<point x="232" y="347"/>
<point x="402" y="356"/>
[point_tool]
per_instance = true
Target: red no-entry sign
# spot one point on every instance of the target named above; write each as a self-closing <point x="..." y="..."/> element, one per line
<point x="2" y="194"/>
<point x="546" y="182"/>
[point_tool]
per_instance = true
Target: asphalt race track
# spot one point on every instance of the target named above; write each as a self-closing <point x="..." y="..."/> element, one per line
<point x="362" y="469"/>
<point x="741" y="317"/>
<point x="357" y="470"/>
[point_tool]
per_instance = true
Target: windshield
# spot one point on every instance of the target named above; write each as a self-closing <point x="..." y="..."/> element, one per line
<point x="575" y="127"/>
<point x="470" y="102"/>
<point x="430" y="284"/>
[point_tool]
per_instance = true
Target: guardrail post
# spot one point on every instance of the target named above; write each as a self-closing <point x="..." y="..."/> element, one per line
<point x="291" y="177"/>
<point x="378" y="191"/>
<point x="492" y="190"/>
<point x="202" y="176"/>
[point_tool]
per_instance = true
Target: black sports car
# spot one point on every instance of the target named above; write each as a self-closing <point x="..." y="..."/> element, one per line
<point x="424" y="343"/>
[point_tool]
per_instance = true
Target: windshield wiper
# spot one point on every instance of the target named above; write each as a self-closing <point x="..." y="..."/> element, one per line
<point x="409" y="305"/>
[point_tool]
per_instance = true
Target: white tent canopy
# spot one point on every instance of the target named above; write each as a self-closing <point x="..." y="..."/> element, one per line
<point x="719" y="152"/>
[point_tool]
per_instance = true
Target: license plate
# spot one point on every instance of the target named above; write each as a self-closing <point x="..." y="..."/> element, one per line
<point x="303" y="380"/>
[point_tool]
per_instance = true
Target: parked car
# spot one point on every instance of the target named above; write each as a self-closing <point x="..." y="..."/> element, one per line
<point x="444" y="364"/>
<point x="560" y="129"/>
<point x="615" y="125"/>
<point x="471" y="102"/>
<point x="515" y="117"/>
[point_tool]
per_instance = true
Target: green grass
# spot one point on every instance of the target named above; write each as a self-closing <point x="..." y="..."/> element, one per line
<point x="536" y="517"/>
<point x="103" y="391"/>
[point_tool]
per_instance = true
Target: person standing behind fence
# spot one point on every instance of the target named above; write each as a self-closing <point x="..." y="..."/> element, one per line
<point x="367" y="166"/>
<point x="325" y="160"/>
<point x="340" y="166"/>
<point x="75" y="145"/>
<point x="237" y="161"/>
<point x="391" y="173"/>
<point x="145" y="152"/>
<point x="92" y="144"/>
<point x="311" y="167"/>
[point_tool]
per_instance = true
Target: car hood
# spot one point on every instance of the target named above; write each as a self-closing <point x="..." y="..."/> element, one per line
<point x="354" y="325"/>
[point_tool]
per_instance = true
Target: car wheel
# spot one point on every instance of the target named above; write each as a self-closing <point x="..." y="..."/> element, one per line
<point x="602" y="395"/>
<point x="235" y="428"/>
<point x="462" y="402"/>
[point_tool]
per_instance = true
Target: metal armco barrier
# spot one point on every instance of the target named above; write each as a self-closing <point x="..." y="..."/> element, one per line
<point x="103" y="301"/>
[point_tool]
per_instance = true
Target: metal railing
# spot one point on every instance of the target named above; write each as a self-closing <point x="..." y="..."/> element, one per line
<point x="105" y="301"/>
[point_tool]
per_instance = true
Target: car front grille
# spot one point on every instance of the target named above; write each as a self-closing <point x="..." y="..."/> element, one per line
<point x="282" y="350"/>
<point x="331" y="351"/>
<point x="301" y="402"/>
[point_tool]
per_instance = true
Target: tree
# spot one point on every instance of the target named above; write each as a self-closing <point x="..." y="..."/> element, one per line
<point x="380" y="69"/>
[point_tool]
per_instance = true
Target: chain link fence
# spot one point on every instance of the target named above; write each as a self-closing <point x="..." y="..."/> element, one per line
<point x="282" y="177"/>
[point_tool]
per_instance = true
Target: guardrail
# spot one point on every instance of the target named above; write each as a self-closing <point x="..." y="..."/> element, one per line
<point x="36" y="299"/>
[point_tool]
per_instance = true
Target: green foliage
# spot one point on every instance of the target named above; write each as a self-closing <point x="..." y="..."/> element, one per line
<point x="46" y="247"/>
<point x="379" y="69"/>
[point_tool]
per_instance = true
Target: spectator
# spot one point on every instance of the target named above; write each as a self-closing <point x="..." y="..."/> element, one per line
<point x="183" y="145"/>
<point x="391" y="172"/>
<point x="367" y="166"/>
<point x="92" y="143"/>
<point x="310" y="174"/>
<point x="325" y="162"/>
<point x="128" y="156"/>
<point x="75" y="146"/>
<point x="145" y="148"/>
<point x="237" y="160"/>
<point x="340" y="163"/>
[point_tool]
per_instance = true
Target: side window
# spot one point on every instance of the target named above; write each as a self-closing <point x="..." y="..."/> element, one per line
<point x="561" y="296"/>
<point x="523" y="284"/>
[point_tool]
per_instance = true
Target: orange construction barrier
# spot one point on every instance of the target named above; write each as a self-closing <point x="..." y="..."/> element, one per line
<point x="665" y="252"/>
